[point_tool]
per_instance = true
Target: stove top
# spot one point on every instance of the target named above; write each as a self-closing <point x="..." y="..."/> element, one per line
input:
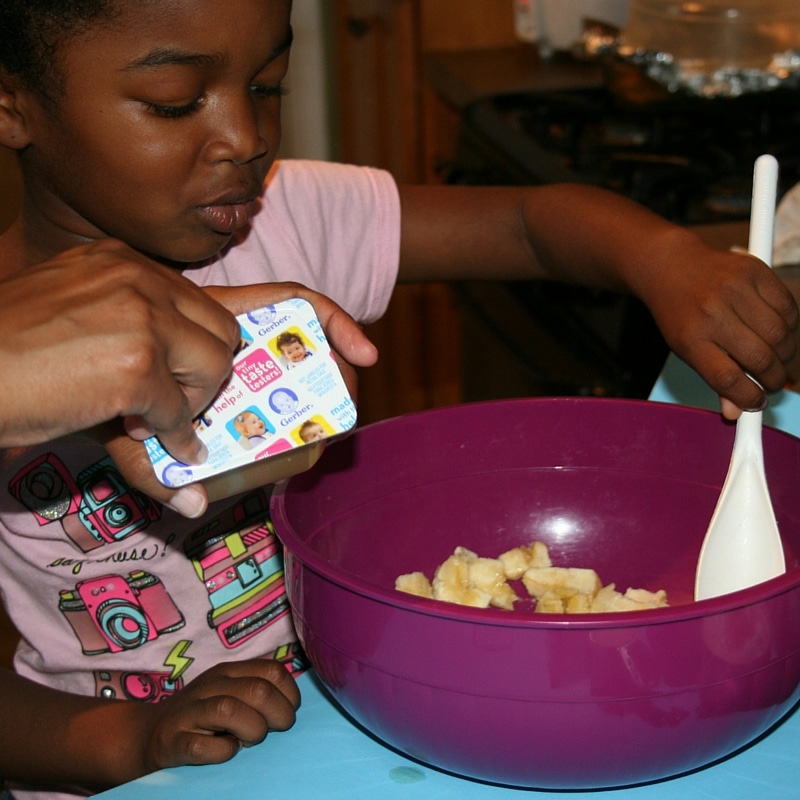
<point x="689" y="159"/>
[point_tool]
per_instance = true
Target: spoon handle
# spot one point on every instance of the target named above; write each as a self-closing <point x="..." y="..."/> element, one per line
<point x="762" y="215"/>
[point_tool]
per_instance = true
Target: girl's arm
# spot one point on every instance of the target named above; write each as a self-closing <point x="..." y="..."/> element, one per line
<point x="724" y="313"/>
<point x="228" y="707"/>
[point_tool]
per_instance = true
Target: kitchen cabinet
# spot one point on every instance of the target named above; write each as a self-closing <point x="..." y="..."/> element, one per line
<point x="389" y="116"/>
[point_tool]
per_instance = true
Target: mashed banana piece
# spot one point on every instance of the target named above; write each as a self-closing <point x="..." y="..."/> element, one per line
<point x="464" y="578"/>
<point x="415" y="583"/>
<point x="468" y="579"/>
<point x="518" y="561"/>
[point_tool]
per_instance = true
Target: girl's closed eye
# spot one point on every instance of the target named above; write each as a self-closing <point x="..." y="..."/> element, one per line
<point x="174" y="112"/>
<point x="276" y="90"/>
<point x="177" y="111"/>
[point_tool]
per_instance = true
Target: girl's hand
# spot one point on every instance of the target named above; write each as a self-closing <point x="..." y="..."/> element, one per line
<point x="726" y="314"/>
<point x="730" y="318"/>
<point x="228" y="707"/>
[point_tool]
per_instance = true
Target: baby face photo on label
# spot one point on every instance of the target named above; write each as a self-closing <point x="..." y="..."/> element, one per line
<point x="292" y="348"/>
<point x="314" y="430"/>
<point x="176" y="474"/>
<point x="262" y="316"/>
<point x="251" y="428"/>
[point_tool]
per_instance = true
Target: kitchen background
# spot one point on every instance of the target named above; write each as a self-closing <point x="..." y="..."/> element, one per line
<point x="491" y="92"/>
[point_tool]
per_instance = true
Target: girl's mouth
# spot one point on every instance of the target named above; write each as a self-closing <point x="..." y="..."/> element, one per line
<point x="227" y="218"/>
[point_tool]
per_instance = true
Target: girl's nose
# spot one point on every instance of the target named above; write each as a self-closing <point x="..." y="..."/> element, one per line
<point x="237" y="134"/>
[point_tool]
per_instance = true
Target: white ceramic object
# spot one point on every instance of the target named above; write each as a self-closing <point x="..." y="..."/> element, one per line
<point x="742" y="546"/>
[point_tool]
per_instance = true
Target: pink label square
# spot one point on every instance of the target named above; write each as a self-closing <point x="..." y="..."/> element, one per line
<point x="258" y="370"/>
<point x="281" y="446"/>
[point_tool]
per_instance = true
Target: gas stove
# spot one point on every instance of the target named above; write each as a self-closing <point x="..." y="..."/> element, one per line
<point x="689" y="159"/>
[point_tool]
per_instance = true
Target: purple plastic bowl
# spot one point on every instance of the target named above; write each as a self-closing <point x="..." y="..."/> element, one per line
<point x="552" y="702"/>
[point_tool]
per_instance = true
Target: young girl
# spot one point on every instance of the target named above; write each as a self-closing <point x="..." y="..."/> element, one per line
<point x="150" y="131"/>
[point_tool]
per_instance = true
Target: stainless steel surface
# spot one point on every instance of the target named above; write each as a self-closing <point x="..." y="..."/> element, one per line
<point x="715" y="47"/>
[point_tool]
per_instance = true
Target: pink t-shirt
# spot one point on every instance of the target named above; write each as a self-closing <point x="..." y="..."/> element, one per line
<point x="117" y="596"/>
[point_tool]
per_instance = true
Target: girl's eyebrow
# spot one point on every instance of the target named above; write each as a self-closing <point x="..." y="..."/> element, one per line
<point x="162" y="57"/>
<point x="167" y="56"/>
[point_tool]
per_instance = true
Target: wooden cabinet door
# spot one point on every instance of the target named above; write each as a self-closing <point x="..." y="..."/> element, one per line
<point x="388" y="118"/>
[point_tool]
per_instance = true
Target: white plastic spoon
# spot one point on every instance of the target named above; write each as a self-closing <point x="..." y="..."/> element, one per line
<point x="742" y="546"/>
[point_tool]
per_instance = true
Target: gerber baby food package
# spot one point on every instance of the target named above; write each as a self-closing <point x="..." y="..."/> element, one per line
<point x="269" y="421"/>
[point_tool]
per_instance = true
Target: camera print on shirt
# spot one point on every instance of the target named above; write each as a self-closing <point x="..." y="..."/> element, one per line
<point x="240" y="562"/>
<point x="236" y="555"/>
<point x="94" y="509"/>
<point x="147" y="687"/>
<point x="114" y="613"/>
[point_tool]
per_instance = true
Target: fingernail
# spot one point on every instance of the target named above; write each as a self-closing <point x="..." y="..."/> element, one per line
<point x="188" y="502"/>
<point x="761" y="406"/>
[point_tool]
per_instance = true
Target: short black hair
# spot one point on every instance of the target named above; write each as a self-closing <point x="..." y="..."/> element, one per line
<point x="32" y="32"/>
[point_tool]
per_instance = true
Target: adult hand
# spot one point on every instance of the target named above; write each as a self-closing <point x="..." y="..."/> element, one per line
<point x="101" y="332"/>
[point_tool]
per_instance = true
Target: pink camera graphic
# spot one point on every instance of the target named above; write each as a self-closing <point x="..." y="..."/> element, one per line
<point x="110" y="510"/>
<point x="115" y="613"/>
<point x="148" y="687"/>
<point x="97" y="508"/>
<point x="46" y="488"/>
<point x="242" y="570"/>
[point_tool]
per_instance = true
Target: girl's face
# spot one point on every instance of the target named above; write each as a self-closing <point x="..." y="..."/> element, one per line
<point x="169" y="122"/>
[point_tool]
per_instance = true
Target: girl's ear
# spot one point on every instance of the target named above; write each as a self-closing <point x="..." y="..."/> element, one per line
<point x="13" y="124"/>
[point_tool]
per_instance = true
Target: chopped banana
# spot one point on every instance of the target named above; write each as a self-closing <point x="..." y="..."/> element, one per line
<point x="648" y="599"/>
<point x="550" y="603"/>
<point x="414" y="583"/>
<point x="564" y="581"/>
<point x="452" y="583"/>
<point x="469" y="579"/>
<point x="487" y="574"/>
<point x="579" y="603"/>
<point x="519" y="560"/>
<point x="609" y="599"/>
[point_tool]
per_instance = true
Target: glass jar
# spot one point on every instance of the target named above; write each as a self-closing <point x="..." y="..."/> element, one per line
<point x="708" y="35"/>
